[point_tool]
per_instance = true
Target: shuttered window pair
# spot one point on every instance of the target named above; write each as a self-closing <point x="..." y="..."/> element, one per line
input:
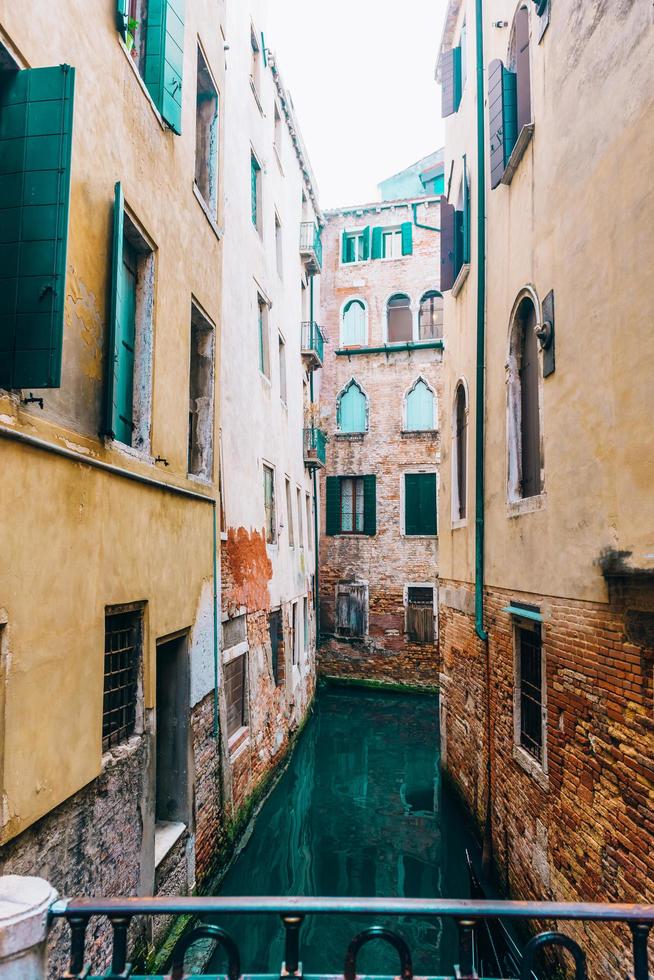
<point x="420" y="504"/>
<point x="351" y="505"/>
<point x="162" y="33"/>
<point x="380" y="243"/>
<point x="36" y="123"/>
<point x="455" y="234"/>
<point x="509" y="100"/>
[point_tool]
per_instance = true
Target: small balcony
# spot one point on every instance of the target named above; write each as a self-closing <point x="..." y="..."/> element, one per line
<point x="313" y="344"/>
<point x="311" y="246"/>
<point x="315" y="448"/>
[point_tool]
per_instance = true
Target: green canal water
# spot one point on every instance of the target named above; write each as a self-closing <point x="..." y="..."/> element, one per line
<point x="360" y="811"/>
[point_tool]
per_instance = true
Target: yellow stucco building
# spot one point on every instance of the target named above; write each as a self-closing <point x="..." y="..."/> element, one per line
<point x="546" y="510"/>
<point x="110" y="279"/>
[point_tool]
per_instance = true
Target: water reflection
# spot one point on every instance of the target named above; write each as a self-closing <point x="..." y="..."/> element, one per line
<point x="359" y="812"/>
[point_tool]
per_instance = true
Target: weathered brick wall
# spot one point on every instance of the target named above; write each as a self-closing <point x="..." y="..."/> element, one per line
<point x="209" y="815"/>
<point x="388" y="561"/>
<point x="585" y="832"/>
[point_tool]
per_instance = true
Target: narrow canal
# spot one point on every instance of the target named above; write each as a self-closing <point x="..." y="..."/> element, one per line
<point x="360" y="811"/>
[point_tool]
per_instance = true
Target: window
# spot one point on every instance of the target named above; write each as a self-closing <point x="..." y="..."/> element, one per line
<point x="123" y="644"/>
<point x="206" y="136"/>
<point x="201" y="386"/>
<point x="391" y="243"/>
<point x="295" y="634"/>
<point x="235" y="685"/>
<point x="420" y="408"/>
<point x="354" y="326"/>
<point x="455" y="233"/>
<point x="300" y="528"/>
<point x="276" y="632"/>
<point x="463" y="46"/>
<point x="289" y="514"/>
<point x="255" y="187"/>
<point x="530" y="685"/>
<point x="264" y="337"/>
<point x="356" y="245"/>
<point x="281" y="348"/>
<point x="420" y="614"/>
<point x="460" y="455"/>
<point x="351" y="506"/>
<point x="255" y="64"/>
<point x="399" y="319"/>
<point x="278" y="246"/>
<point x="278" y="134"/>
<point x="309" y="523"/>
<point x="352" y="409"/>
<point x="35" y="191"/>
<point x="509" y="99"/>
<point x="135" y="33"/>
<point x="172" y="735"/>
<point x="351" y="609"/>
<point x="420" y="504"/>
<point x="128" y="389"/>
<point x="269" y="503"/>
<point x="519" y="63"/>
<point x="525" y="465"/>
<point x="430" y="320"/>
<point x="305" y="619"/>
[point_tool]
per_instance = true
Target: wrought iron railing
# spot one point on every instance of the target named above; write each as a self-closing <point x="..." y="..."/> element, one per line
<point x="468" y="915"/>
<point x="311" y="244"/>
<point x="313" y="342"/>
<point x="315" y="447"/>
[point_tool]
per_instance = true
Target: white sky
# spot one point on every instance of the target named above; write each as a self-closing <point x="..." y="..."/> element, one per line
<point x="361" y="74"/>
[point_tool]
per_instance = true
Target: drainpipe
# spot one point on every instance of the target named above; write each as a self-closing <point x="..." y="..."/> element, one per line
<point x="417" y="223"/>
<point x="216" y="610"/>
<point x="316" y="594"/>
<point x="487" y="851"/>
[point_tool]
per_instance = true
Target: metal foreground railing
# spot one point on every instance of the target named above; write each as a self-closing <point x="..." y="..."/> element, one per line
<point x="468" y="915"/>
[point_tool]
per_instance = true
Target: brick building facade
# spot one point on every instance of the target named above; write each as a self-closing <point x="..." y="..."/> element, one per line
<point x="380" y="405"/>
<point x="547" y="569"/>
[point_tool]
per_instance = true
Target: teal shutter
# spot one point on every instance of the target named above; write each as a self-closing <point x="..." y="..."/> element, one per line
<point x="263" y="51"/>
<point x="376" y="252"/>
<point x="411" y="504"/>
<point x="420" y="408"/>
<point x="164" y="58"/>
<point x="120" y="351"/>
<point x="254" y="171"/>
<point x="122" y="17"/>
<point x="344" y="256"/>
<point x="333" y="505"/>
<point x="466" y="214"/>
<point x="370" y="505"/>
<point x="450" y="81"/>
<point x="36" y="125"/>
<point x="352" y="409"/>
<point x="427" y="502"/>
<point x="365" y="245"/>
<point x="407" y="238"/>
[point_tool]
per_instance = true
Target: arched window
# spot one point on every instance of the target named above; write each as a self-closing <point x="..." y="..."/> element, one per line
<point x="354" y="324"/>
<point x="420" y="405"/>
<point x="352" y="409"/>
<point x="430" y="322"/>
<point x="524" y="404"/>
<point x="460" y="454"/>
<point x="399" y="319"/>
<point x="519" y="63"/>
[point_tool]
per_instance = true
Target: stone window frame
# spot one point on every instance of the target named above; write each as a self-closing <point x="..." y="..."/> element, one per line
<point x="344" y="585"/>
<point x="407" y="472"/>
<point x="516" y="504"/>
<point x="348" y="384"/>
<point x="240" y="738"/>
<point x="405" y="601"/>
<point x="341" y="314"/>
<point x="415" y="310"/>
<point x="537" y="770"/>
<point x="457" y="522"/>
<point x="407" y="392"/>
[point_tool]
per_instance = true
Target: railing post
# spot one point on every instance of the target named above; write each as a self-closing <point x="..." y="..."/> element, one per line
<point x="292" y="965"/>
<point x="24" y="904"/>
<point x="640" y="932"/>
<point x="466" y="967"/>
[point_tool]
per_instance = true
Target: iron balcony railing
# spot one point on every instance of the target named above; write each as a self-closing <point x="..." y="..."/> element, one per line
<point x="471" y="918"/>
<point x="313" y="342"/>
<point x="315" y="447"/>
<point x="311" y="245"/>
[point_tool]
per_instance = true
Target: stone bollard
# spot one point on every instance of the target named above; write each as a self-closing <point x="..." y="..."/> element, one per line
<point x="24" y="904"/>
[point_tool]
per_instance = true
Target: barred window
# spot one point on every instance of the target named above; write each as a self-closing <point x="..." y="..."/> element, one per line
<point x="122" y="660"/>
<point x="530" y="667"/>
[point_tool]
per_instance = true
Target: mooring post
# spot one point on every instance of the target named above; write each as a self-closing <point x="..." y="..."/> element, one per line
<point x="24" y="905"/>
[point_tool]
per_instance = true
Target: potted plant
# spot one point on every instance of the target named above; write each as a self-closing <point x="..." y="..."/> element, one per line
<point x="132" y="27"/>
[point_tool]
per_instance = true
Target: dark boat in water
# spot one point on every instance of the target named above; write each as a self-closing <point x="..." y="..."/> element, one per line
<point x="497" y="953"/>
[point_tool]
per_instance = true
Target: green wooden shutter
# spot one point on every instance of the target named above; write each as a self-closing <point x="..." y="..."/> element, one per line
<point x="450" y="81"/>
<point x="427" y="502"/>
<point x="411" y="504"/>
<point x="344" y="257"/>
<point x="365" y="243"/>
<point x="164" y="58"/>
<point x="119" y="375"/>
<point x="122" y="17"/>
<point x="407" y="238"/>
<point x="263" y="51"/>
<point x="466" y="213"/>
<point x="333" y="505"/>
<point x="370" y="504"/>
<point x="376" y="252"/>
<point x="36" y="124"/>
